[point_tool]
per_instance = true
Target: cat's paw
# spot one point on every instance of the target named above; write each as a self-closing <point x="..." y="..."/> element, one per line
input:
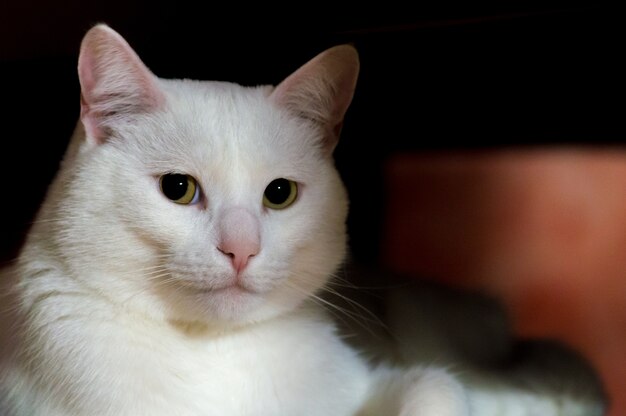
<point x="415" y="392"/>
<point x="433" y="392"/>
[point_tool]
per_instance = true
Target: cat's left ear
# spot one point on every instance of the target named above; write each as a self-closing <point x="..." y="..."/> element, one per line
<point x="321" y="90"/>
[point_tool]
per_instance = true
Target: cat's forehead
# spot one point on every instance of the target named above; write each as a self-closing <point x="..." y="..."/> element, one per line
<point x="205" y="122"/>
<point x="214" y="100"/>
<point x="207" y="91"/>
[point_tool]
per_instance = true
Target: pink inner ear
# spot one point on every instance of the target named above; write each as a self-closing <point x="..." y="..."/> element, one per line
<point x="114" y="81"/>
<point x="90" y="123"/>
<point x="85" y="65"/>
<point x="322" y="89"/>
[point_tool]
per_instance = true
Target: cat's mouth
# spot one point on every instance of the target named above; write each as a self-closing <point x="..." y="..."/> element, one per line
<point x="227" y="288"/>
<point x="214" y="299"/>
<point x="230" y="289"/>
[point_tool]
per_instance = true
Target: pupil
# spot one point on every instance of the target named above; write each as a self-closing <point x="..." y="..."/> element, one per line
<point x="278" y="191"/>
<point x="175" y="186"/>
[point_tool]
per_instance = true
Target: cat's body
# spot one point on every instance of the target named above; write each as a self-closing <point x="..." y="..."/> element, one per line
<point x="129" y="299"/>
<point x="130" y="365"/>
<point x="173" y="267"/>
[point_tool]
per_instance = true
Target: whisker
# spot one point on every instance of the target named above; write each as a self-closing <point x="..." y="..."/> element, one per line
<point x="337" y="312"/>
<point x="154" y="280"/>
<point x="370" y="317"/>
<point x="354" y="316"/>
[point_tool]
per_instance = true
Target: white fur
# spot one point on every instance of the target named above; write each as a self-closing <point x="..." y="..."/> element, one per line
<point x="122" y="303"/>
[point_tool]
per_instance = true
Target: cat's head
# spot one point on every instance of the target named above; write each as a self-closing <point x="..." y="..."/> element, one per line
<point x="203" y="201"/>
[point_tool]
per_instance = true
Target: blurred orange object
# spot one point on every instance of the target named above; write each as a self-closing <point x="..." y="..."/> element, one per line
<point x="542" y="229"/>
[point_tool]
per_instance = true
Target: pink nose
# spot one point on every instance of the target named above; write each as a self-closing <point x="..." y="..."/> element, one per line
<point x="239" y="252"/>
<point x="239" y="236"/>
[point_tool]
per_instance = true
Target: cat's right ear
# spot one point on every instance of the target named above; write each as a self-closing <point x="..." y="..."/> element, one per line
<point x="321" y="91"/>
<point x="114" y="82"/>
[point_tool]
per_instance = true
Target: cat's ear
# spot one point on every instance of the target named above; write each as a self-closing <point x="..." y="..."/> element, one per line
<point x="114" y="82"/>
<point x="321" y="90"/>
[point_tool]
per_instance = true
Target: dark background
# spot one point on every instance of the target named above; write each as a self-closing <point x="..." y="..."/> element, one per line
<point x="434" y="77"/>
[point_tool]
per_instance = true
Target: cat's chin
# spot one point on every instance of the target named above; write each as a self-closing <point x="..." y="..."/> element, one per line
<point x="233" y="304"/>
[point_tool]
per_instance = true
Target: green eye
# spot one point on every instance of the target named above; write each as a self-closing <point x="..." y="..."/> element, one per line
<point x="180" y="188"/>
<point x="280" y="193"/>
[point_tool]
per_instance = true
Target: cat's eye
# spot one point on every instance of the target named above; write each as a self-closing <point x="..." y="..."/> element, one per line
<point x="180" y="188"/>
<point x="280" y="193"/>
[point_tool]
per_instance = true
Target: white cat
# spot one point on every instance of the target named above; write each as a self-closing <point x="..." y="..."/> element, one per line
<point x="170" y="268"/>
<point x="173" y="267"/>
